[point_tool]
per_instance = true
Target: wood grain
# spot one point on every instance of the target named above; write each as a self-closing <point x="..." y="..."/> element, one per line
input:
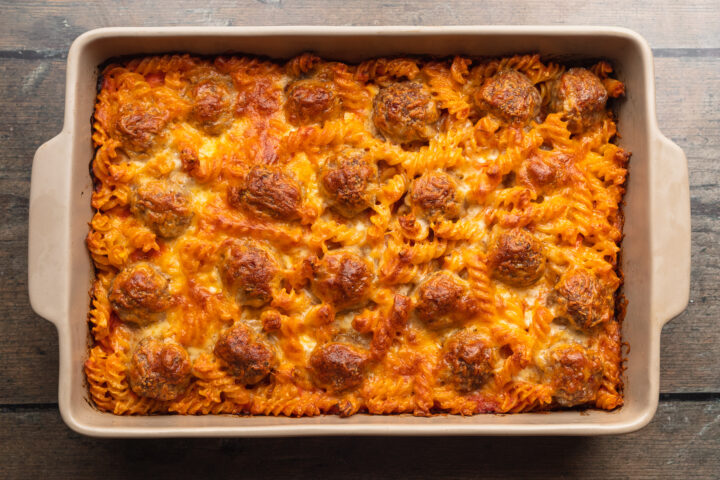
<point x="34" y="91"/>
<point x="688" y="110"/>
<point x="664" y="23"/>
<point x="685" y="437"/>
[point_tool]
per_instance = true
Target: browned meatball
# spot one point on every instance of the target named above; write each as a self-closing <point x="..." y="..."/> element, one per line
<point x="249" y="272"/>
<point x="250" y="360"/>
<point x="267" y="192"/>
<point x="435" y="195"/>
<point x="575" y="374"/>
<point x="443" y="301"/>
<point x="545" y="172"/>
<point x="511" y="96"/>
<point x="139" y="125"/>
<point x="346" y="181"/>
<point x="260" y="96"/>
<point x="581" y="97"/>
<point x="163" y="206"/>
<point x="468" y="361"/>
<point x="311" y="101"/>
<point x="342" y="279"/>
<point x="516" y="257"/>
<point x="140" y="294"/>
<point x="337" y="366"/>
<point x="159" y="369"/>
<point x="405" y="113"/>
<point x="581" y="299"/>
<point x="212" y="106"/>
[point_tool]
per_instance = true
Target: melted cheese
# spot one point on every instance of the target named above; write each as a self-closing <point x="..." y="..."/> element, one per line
<point x="171" y="137"/>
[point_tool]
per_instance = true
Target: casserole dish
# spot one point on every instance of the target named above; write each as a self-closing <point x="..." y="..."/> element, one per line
<point x="656" y="249"/>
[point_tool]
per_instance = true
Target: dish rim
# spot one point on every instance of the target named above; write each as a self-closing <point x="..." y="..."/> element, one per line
<point x="54" y="313"/>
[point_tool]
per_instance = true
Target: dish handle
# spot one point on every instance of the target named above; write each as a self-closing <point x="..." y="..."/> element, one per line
<point x="670" y="231"/>
<point x="49" y="236"/>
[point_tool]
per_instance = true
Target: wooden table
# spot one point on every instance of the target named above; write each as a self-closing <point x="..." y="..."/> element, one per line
<point x="683" y="439"/>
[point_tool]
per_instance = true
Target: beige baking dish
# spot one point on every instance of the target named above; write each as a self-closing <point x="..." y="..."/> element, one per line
<point x="656" y="249"/>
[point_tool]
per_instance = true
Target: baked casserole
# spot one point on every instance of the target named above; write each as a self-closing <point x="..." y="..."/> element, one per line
<point x="404" y="235"/>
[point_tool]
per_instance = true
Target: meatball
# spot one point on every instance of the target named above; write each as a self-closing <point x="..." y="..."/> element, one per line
<point x="212" y="107"/>
<point x="261" y="96"/>
<point x="139" y="125"/>
<point x="545" y="172"/>
<point x="249" y="360"/>
<point x="468" y="361"/>
<point x="443" y="301"/>
<point x="581" y="97"/>
<point x="267" y="192"/>
<point x="575" y="375"/>
<point x="163" y="206"/>
<point x="249" y="272"/>
<point x="159" y="369"/>
<point x="345" y="180"/>
<point x="511" y="96"/>
<point x="140" y="294"/>
<point x="342" y="279"/>
<point x="435" y="194"/>
<point x="581" y="299"/>
<point x="311" y="101"/>
<point x="405" y="113"/>
<point x="516" y="258"/>
<point x="337" y="366"/>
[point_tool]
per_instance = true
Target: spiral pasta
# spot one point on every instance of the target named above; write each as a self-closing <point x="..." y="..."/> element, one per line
<point x="404" y="235"/>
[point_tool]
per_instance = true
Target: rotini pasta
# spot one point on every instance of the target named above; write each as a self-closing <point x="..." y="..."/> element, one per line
<point x="405" y="235"/>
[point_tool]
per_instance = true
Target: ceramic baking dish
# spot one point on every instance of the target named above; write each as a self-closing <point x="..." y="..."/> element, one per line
<point x="656" y="248"/>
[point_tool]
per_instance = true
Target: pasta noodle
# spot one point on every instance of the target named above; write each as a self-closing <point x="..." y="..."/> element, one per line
<point x="404" y="235"/>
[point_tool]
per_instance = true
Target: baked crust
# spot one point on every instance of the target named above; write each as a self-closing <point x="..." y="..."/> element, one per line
<point x="406" y="235"/>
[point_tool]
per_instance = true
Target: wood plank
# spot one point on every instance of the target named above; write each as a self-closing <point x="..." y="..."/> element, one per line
<point x="28" y="345"/>
<point x="694" y="428"/>
<point x="32" y="97"/>
<point x="688" y="110"/>
<point x="32" y="93"/>
<point x="683" y="439"/>
<point x="49" y="27"/>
